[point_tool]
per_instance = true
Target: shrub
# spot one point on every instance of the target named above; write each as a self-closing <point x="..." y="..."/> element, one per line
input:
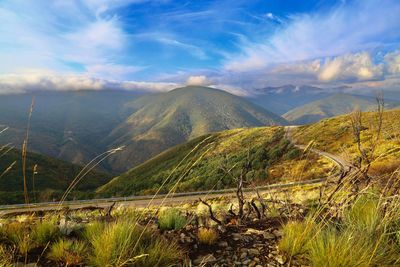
<point x="364" y="215"/>
<point x="6" y="258"/>
<point x="123" y="242"/>
<point x="332" y="248"/>
<point x="171" y="219"/>
<point x="296" y="235"/>
<point x="68" y="252"/>
<point x="44" y="232"/>
<point x="207" y="236"/>
<point x="18" y="235"/>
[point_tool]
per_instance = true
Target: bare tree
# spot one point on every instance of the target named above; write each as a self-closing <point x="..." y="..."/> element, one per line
<point x="240" y="180"/>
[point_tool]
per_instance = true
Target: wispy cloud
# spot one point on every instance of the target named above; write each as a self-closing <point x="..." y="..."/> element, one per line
<point x="60" y="34"/>
<point x="349" y="27"/>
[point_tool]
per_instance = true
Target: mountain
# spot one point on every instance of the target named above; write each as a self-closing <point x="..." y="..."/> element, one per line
<point x="76" y="126"/>
<point x="332" y="106"/>
<point x="167" y="119"/>
<point x="281" y="99"/>
<point x="196" y="165"/>
<point x="69" y="125"/>
<point x="51" y="179"/>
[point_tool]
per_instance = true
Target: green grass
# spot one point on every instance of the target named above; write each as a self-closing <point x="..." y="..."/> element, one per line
<point x="52" y="177"/>
<point x="122" y="243"/>
<point x="44" y="232"/>
<point x="296" y="236"/>
<point x="364" y="235"/>
<point x="68" y="252"/>
<point x="268" y="150"/>
<point x="171" y="219"/>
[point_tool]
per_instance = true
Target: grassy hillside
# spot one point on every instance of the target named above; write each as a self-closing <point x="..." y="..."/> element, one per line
<point x="335" y="135"/>
<point x="332" y="106"/>
<point x="52" y="177"/>
<point x="76" y="126"/>
<point x="167" y="119"/>
<point x="66" y="125"/>
<point x="272" y="157"/>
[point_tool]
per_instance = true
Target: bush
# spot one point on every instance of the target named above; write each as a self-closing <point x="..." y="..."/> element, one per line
<point x="364" y="215"/>
<point x="332" y="248"/>
<point x="207" y="236"/>
<point x="171" y="219"/>
<point x="68" y="252"/>
<point x="6" y="258"/>
<point x="18" y="235"/>
<point x="44" y="232"/>
<point x="123" y="243"/>
<point x="296" y="235"/>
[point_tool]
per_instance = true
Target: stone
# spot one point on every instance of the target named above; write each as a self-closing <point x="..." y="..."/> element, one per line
<point x="246" y="262"/>
<point x="277" y="233"/>
<point x="223" y="244"/>
<point x="268" y="235"/>
<point x="253" y="252"/>
<point x="280" y="259"/>
<point x="252" y="231"/>
<point x="243" y="255"/>
<point x="236" y="236"/>
<point x="204" y="259"/>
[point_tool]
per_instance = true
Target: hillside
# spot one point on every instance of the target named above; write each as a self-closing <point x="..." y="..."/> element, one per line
<point x="331" y="106"/>
<point x="76" y="126"/>
<point x="335" y="135"/>
<point x="52" y="177"/>
<point x="196" y="164"/>
<point x="167" y="119"/>
<point x="69" y="125"/>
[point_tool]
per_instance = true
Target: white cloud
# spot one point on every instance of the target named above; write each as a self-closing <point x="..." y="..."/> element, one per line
<point x="358" y="67"/>
<point x="393" y="62"/>
<point x="350" y="27"/>
<point x="198" y="80"/>
<point x="45" y="80"/>
<point x="61" y="35"/>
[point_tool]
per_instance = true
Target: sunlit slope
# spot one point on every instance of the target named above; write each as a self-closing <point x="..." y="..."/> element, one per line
<point x="196" y="165"/>
<point x="167" y="119"/>
<point x="335" y="135"/>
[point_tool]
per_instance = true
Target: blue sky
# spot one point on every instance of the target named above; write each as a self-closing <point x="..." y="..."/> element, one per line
<point x="234" y="45"/>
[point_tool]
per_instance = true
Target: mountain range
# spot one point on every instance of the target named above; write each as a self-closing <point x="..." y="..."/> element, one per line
<point x="333" y="105"/>
<point x="78" y="126"/>
<point x="70" y="128"/>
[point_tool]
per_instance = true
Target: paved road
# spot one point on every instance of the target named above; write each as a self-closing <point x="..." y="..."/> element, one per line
<point x="341" y="162"/>
<point x="144" y="201"/>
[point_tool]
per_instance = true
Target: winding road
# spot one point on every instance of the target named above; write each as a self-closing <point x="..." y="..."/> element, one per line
<point x="145" y="201"/>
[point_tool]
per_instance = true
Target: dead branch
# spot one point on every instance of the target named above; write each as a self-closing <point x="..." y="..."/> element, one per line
<point x="253" y="204"/>
<point x="212" y="217"/>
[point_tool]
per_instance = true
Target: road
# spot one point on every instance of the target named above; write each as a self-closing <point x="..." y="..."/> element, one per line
<point x="144" y="201"/>
<point x="341" y="162"/>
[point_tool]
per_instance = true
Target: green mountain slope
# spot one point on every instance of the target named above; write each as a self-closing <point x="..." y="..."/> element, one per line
<point x="196" y="164"/>
<point x="68" y="125"/>
<point x="52" y="177"/>
<point x="332" y="106"/>
<point x="167" y="119"/>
